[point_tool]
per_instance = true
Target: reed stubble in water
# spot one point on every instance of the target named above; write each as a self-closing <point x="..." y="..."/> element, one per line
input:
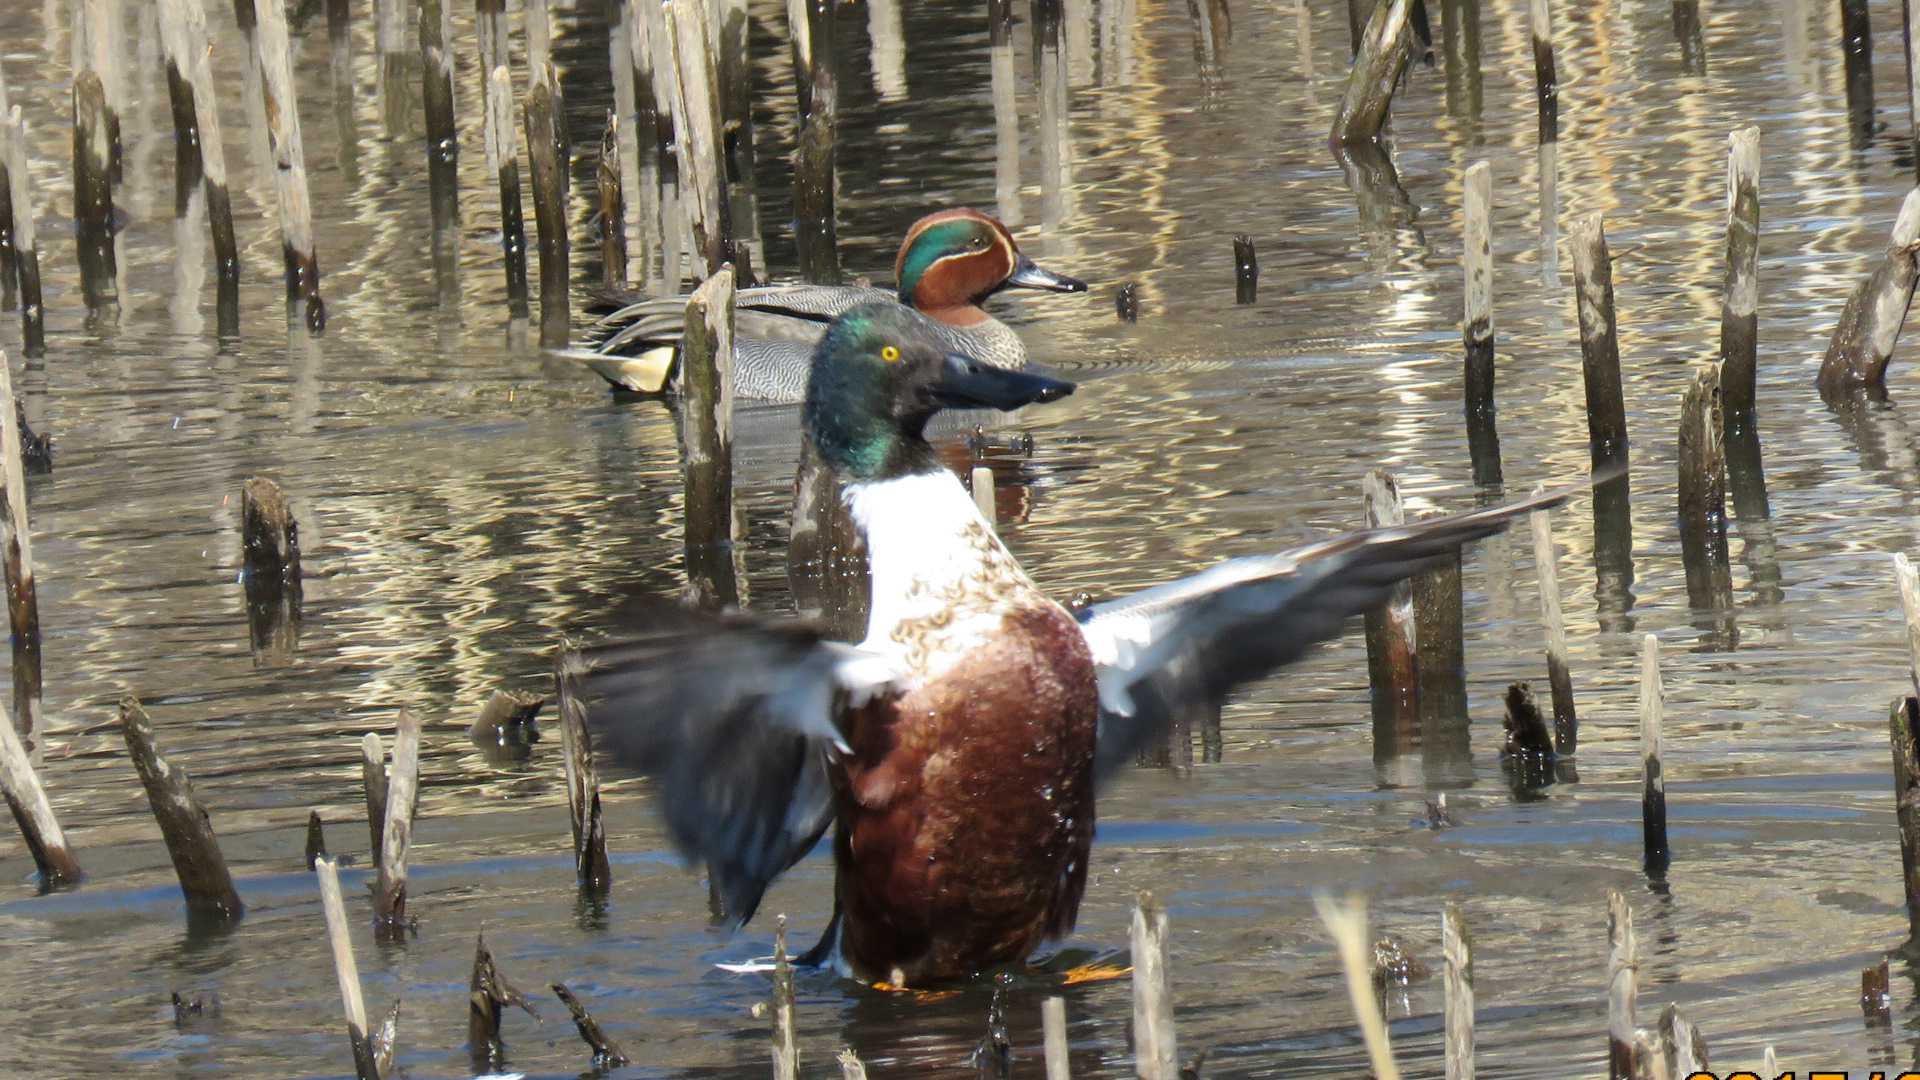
<point x="1456" y="950"/>
<point x="1375" y="73"/>
<point x="1622" y="989"/>
<point x="289" y="161"/>
<point x="327" y="873"/>
<point x="1246" y="270"/>
<point x="623" y="128"/>
<point x="1870" y="324"/>
<point x="613" y="206"/>
<point x="9" y="271"/>
<point x="270" y="550"/>
<point x="1599" y="343"/>
<point x="1907" y="577"/>
<point x="373" y="778"/>
<point x="504" y="153"/>
<point x="184" y="825"/>
<point x="606" y="1053"/>
<point x="1703" y="498"/>
<point x="545" y="152"/>
<point x="25" y="236"/>
<point x="33" y="813"/>
<point x="1856" y="46"/>
<point x="1546" y="562"/>
<point x="1392" y="646"/>
<point x="706" y="409"/>
<point x="1655" y="854"/>
<point x="200" y="149"/>
<point x="396" y="835"/>
<point x="443" y="141"/>
<point x="488" y="992"/>
<point x="1913" y="79"/>
<point x="697" y="110"/>
<point x="1546" y="74"/>
<point x="316" y="839"/>
<point x="1904" y="732"/>
<point x="93" y="196"/>
<point x="1476" y="258"/>
<point x="1440" y="659"/>
<point x="1740" y="295"/>
<point x="16" y="554"/>
<point x="1053" y="1026"/>
<point x="816" y="233"/>
<point x="1155" y="1054"/>
<point x="784" y="1040"/>
<point x="591" y="867"/>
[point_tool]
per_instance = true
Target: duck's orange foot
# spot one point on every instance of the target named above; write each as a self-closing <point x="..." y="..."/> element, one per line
<point x="920" y="997"/>
<point x="1094" y="973"/>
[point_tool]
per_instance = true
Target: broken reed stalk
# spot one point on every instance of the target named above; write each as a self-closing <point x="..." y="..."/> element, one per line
<point x="316" y="839"/>
<point x="1346" y="922"/>
<point x="1907" y="576"/>
<point x="1621" y="987"/>
<point x="16" y="552"/>
<point x="702" y="172"/>
<point x="33" y="813"/>
<point x="1903" y="729"/>
<point x="1599" y="343"/>
<point x="345" y="970"/>
<point x="26" y="245"/>
<point x="816" y="232"/>
<point x="1053" y="1025"/>
<point x="1483" y="439"/>
<point x="504" y="153"/>
<point x="1546" y="563"/>
<point x="613" y="206"/>
<point x="443" y="140"/>
<point x="850" y="1066"/>
<point x="1456" y="947"/>
<point x="1155" y="1055"/>
<point x="1740" y="297"/>
<point x="93" y="194"/>
<point x="1546" y="77"/>
<point x="196" y="112"/>
<point x="373" y="775"/>
<point x="606" y="1053"/>
<point x="488" y="991"/>
<point x="1246" y="270"/>
<point x="1863" y="342"/>
<point x="785" y="1042"/>
<point x="183" y="823"/>
<point x="980" y="483"/>
<point x="396" y="835"/>
<point x="1376" y="71"/>
<point x="706" y="410"/>
<point x="583" y="781"/>
<point x="1393" y="667"/>
<point x="544" y="151"/>
<point x="1684" y="1051"/>
<point x="1703" y="493"/>
<point x="269" y="535"/>
<point x="1653" y="781"/>
<point x="289" y="161"/>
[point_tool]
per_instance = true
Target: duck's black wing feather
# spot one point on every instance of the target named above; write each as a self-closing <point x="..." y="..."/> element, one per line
<point x="1183" y="645"/>
<point x="735" y="719"/>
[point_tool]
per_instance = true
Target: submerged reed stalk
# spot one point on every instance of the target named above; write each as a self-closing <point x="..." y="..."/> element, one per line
<point x="1856" y="45"/>
<point x="1653" y="781"/>
<point x="26" y="244"/>
<point x="396" y="836"/>
<point x="1546" y="563"/>
<point x="504" y="152"/>
<point x="196" y="113"/>
<point x="289" y="161"/>
<point x="344" y="969"/>
<point x="1870" y="324"/>
<point x="93" y="195"/>
<point x="1384" y="47"/>
<point x="1599" y="343"/>
<point x="184" y="825"/>
<point x="443" y="140"/>
<point x="1476" y="327"/>
<point x="1740" y="296"/>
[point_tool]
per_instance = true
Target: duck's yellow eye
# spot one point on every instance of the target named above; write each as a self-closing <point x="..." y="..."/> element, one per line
<point x="889" y="353"/>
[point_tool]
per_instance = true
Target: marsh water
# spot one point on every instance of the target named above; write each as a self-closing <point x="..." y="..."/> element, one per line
<point x="465" y="500"/>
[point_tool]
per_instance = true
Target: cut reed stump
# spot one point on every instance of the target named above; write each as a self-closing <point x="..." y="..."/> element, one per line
<point x="184" y="825"/>
<point x="785" y="1039"/>
<point x="26" y="245"/>
<point x="702" y="172"/>
<point x="316" y="839"/>
<point x="1439" y="615"/>
<point x="1546" y="564"/>
<point x="1703" y="496"/>
<point x="16" y="553"/>
<point x="345" y="970"/>
<point x="1155" y="1054"/>
<point x="1599" y="343"/>
<point x="1546" y="77"/>
<point x="1476" y="258"/>
<point x="1870" y="324"/>
<point x="1053" y="1026"/>
<point x="1376" y="71"/>
<point x="1456" y="947"/>
<point x="1126" y="302"/>
<point x="33" y="813"/>
<point x="373" y="775"/>
<point x="816" y="233"/>
<point x="1526" y="753"/>
<point x="1856" y="45"/>
<point x="289" y="161"/>
<point x="403" y="780"/>
<point x="443" y="140"/>
<point x="1740" y="296"/>
<point x="93" y="195"/>
<point x="1622" y="989"/>
<point x="504" y="153"/>
<point x="545" y="134"/>
<point x="1393" y="669"/>
<point x="200" y="149"/>
<point x="488" y="992"/>
<point x="1653" y="781"/>
<point x="613" y="206"/>
<point x="606" y="1053"/>
<point x="1246" y="270"/>
<point x="1904" y="732"/>
<point x="706" y="404"/>
<point x="590" y="862"/>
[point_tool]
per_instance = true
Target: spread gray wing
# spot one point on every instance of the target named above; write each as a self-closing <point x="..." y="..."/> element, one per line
<point x="1185" y="644"/>
<point x="735" y="720"/>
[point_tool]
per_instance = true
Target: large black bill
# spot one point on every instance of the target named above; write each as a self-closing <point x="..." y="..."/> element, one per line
<point x="1030" y="275"/>
<point x="966" y="383"/>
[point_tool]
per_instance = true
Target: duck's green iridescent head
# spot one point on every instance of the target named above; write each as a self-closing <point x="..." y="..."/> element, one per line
<point x="957" y="258"/>
<point x="880" y="374"/>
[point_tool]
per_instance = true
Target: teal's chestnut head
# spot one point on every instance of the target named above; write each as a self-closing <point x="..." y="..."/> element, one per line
<point x="881" y="372"/>
<point x="954" y="259"/>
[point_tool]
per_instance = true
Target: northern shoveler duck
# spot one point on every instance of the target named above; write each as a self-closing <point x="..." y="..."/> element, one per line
<point x="949" y="263"/>
<point x="955" y="752"/>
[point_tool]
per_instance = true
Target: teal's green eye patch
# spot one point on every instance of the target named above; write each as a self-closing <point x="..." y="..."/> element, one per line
<point x="936" y="243"/>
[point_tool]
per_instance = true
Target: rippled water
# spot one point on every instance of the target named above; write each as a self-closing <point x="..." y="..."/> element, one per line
<point x="463" y="501"/>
